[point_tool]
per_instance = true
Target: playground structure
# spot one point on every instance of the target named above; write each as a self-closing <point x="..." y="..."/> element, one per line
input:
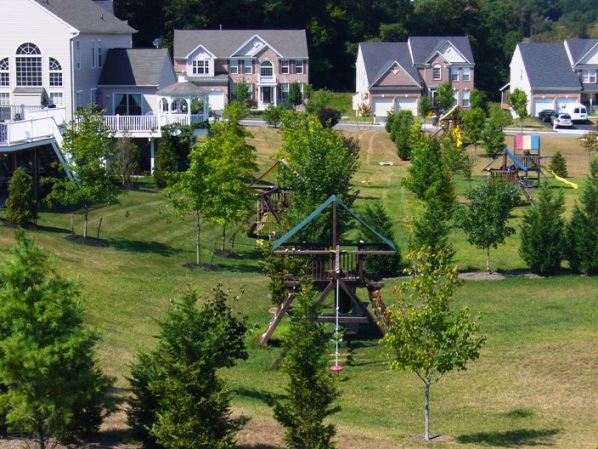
<point x="334" y="266"/>
<point x="521" y="166"/>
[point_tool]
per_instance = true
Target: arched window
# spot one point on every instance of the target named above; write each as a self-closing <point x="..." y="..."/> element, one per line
<point x="55" y="73"/>
<point x="4" y="72"/>
<point x="266" y="71"/>
<point x="29" y="65"/>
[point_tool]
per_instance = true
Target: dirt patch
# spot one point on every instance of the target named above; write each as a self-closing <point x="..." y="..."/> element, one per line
<point x="226" y="253"/>
<point x="202" y="266"/>
<point x="87" y="241"/>
<point x="483" y="276"/>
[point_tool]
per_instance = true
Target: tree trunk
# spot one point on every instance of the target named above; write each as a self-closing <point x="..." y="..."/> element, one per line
<point x="197" y="237"/>
<point x="86" y="222"/>
<point x="488" y="260"/>
<point x="223" y="237"/>
<point x="427" y="409"/>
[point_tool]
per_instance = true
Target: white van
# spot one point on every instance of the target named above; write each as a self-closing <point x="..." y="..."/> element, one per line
<point x="577" y="111"/>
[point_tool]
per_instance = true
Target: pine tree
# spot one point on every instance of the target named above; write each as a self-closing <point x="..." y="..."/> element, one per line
<point x="21" y="206"/>
<point x="179" y="401"/>
<point x="166" y="167"/>
<point x="52" y="387"/>
<point x="311" y="389"/>
<point x="558" y="165"/>
<point x="430" y="229"/>
<point x="543" y="233"/>
<point x="582" y="231"/>
<point x="377" y="217"/>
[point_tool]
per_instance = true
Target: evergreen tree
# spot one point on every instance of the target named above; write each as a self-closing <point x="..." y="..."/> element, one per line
<point x="377" y="217"/>
<point x="52" y="387"/>
<point x="127" y="158"/>
<point x="179" y="401"/>
<point x="165" y="167"/>
<point x="582" y="231"/>
<point x="425" y="107"/>
<point x="543" y="233"/>
<point x="311" y="388"/>
<point x="21" y="206"/>
<point x="295" y="95"/>
<point x="558" y="165"/>
<point x="401" y="133"/>
<point x="430" y="229"/>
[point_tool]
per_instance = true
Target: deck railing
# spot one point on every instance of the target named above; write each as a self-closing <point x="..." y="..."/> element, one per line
<point x="150" y="123"/>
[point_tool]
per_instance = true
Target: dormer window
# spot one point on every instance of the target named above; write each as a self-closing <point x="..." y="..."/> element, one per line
<point x="589" y="76"/>
<point x="201" y="67"/>
<point x="436" y="73"/>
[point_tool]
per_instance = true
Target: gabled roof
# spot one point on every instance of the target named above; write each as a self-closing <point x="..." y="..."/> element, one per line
<point x="579" y="48"/>
<point x="379" y="57"/>
<point x="548" y="67"/>
<point x="183" y="89"/>
<point x="134" y="67"/>
<point x="223" y="44"/>
<point x="423" y="48"/>
<point x="86" y="16"/>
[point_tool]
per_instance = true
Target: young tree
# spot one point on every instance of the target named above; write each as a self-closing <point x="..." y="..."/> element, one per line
<point x="89" y="144"/>
<point x="179" y="401"/>
<point x="478" y="100"/>
<point x="543" y="233"/>
<point x="273" y="114"/>
<point x="484" y="219"/>
<point x="166" y="166"/>
<point x="364" y="111"/>
<point x="295" y="95"/>
<point x="430" y="228"/>
<point x="590" y="142"/>
<point x="21" y="205"/>
<point x="377" y="217"/>
<point x="311" y="388"/>
<point x="558" y="165"/>
<point x="401" y="133"/>
<point x="518" y="102"/>
<point x="473" y="125"/>
<point x="445" y="97"/>
<point x="493" y="136"/>
<point x="241" y="92"/>
<point x="425" y="335"/>
<point x="48" y="367"/>
<point x="582" y="231"/>
<point x="127" y="158"/>
<point x="425" y="107"/>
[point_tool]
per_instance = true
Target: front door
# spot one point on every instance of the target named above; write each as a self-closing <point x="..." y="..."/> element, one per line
<point x="266" y="95"/>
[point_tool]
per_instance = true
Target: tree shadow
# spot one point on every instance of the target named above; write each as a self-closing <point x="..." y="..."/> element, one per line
<point x="256" y="446"/>
<point x="259" y="395"/>
<point x="511" y="438"/>
<point x="140" y="246"/>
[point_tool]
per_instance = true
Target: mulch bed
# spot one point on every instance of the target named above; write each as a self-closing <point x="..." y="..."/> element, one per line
<point x="88" y="241"/>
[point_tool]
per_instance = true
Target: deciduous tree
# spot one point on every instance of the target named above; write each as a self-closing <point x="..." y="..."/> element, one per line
<point x="445" y="97"/>
<point x="425" y="335"/>
<point x="518" y="102"/>
<point x="485" y="218"/>
<point x="52" y="386"/>
<point x="89" y="144"/>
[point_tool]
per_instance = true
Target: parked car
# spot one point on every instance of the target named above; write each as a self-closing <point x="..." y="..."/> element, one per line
<point x="546" y="115"/>
<point x="561" y="120"/>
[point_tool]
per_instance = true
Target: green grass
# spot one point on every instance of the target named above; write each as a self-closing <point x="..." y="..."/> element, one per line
<point x="533" y="385"/>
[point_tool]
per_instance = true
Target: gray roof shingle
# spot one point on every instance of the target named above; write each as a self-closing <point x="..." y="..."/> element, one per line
<point x="379" y="56"/>
<point x="86" y="16"/>
<point x="423" y="48"/>
<point x="579" y="48"/>
<point x="134" y="67"/>
<point x="548" y="66"/>
<point x="224" y="43"/>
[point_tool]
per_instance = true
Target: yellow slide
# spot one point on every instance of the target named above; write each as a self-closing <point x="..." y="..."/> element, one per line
<point x="569" y="183"/>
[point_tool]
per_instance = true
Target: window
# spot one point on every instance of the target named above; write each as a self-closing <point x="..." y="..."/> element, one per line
<point x="284" y="91"/>
<point x="55" y="73"/>
<point x="4" y="98"/>
<point x="78" y="99"/>
<point x="29" y="65"/>
<point x="299" y="67"/>
<point x="93" y="54"/>
<point x="436" y="74"/>
<point x="266" y="71"/>
<point x="4" y="72"/>
<point x="247" y="66"/>
<point x="128" y="104"/>
<point x="465" y="99"/>
<point x="5" y="113"/>
<point x="454" y="74"/>
<point x="234" y="67"/>
<point x="589" y="76"/>
<point x="284" y="67"/>
<point x="93" y="96"/>
<point x="466" y="74"/>
<point x="56" y="98"/>
<point x="201" y="67"/>
<point x="78" y="55"/>
<point x="99" y="54"/>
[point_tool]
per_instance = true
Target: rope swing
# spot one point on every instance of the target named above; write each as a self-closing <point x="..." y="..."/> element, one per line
<point x="337" y="329"/>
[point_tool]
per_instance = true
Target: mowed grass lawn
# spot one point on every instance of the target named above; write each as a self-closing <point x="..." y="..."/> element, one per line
<point x="533" y="386"/>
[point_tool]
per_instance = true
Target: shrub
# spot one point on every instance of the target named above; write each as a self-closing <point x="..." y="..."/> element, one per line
<point x="558" y="165"/>
<point x="21" y="206"/>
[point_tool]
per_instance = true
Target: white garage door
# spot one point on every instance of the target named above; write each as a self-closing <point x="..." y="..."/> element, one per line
<point x="564" y="101"/>
<point x="382" y="106"/>
<point x="407" y="104"/>
<point x="216" y="100"/>
<point x="541" y="104"/>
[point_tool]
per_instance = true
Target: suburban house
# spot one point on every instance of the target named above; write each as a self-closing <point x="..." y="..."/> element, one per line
<point x="57" y="56"/>
<point x="393" y="76"/>
<point x="554" y="74"/>
<point x="269" y="61"/>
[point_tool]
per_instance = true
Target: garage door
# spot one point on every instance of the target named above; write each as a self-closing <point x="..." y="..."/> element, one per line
<point x="407" y="104"/>
<point x="216" y="100"/>
<point x="542" y="104"/>
<point x="563" y="101"/>
<point x="382" y="106"/>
